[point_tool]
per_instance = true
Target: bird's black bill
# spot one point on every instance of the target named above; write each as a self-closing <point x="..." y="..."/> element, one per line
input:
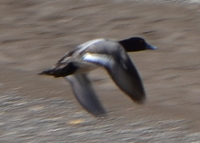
<point x="150" y="47"/>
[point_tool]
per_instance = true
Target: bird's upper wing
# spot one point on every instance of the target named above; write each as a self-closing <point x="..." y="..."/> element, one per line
<point x="85" y="94"/>
<point x="123" y="73"/>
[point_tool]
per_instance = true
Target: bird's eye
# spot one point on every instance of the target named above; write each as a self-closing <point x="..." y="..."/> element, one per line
<point x="141" y="41"/>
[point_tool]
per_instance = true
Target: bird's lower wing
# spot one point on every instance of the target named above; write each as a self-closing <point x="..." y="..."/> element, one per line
<point x="85" y="94"/>
<point x="123" y="73"/>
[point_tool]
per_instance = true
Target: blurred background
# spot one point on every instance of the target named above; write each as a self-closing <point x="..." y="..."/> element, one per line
<point x="34" y="34"/>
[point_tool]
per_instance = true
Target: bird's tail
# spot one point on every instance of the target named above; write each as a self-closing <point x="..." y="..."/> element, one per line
<point x="60" y="71"/>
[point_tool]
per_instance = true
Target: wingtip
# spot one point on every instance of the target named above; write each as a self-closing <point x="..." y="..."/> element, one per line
<point x="142" y="100"/>
<point x="100" y="115"/>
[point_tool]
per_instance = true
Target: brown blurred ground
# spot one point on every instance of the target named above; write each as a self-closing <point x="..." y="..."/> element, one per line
<point x="34" y="34"/>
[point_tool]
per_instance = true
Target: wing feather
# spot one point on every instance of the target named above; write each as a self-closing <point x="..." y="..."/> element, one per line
<point x="85" y="94"/>
<point x="123" y="73"/>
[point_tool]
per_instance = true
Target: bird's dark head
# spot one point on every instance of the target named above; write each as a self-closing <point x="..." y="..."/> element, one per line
<point x="136" y="44"/>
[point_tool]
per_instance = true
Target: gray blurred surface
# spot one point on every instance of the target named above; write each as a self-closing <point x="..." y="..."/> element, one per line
<point x="34" y="34"/>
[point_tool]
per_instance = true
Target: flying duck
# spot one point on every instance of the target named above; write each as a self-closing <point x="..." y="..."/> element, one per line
<point x="109" y="54"/>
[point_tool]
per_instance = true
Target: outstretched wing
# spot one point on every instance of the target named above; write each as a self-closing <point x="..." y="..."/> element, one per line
<point x="123" y="73"/>
<point x="85" y="94"/>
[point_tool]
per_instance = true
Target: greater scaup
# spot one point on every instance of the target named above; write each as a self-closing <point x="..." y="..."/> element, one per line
<point x="106" y="53"/>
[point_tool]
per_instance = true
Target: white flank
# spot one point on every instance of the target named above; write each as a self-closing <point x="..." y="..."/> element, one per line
<point x="101" y="59"/>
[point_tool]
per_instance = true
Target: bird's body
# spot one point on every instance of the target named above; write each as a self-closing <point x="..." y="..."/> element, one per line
<point x="108" y="54"/>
